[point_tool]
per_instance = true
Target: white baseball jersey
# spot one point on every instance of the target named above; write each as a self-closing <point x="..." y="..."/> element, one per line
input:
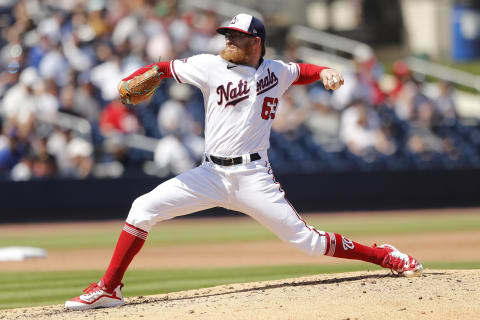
<point x="240" y="101"/>
<point x="240" y="106"/>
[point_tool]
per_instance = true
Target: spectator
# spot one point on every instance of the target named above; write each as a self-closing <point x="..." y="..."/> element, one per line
<point x="79" y="153"/>
<point x="181" y="147"/>
<point x="103" y="74"/>
<point x="323" y="121"/>
<point x="407" y="99"/>
<point x="402" y="75"/>
<point x="171" y="156"/>
<point x="12" y="152"/>
<point x="115" y="121"/>
<point x="363" y="82"/>
<point x="56" y="145"/>
<point x="46" y="104"/>
<point x="362" y="134"/>
<point x="23" y="170"/>
<point x="53" y="65"/>
<point x="117" y="118"/>
<point x="290" y="113"/>
<point x="368" y="72"/>
<point x="84" y="103"/>
<point x="204" y="37"/>
<point x="422" y="139"/>
<point x="19" y="101"/>
<point x="44" y="167"/>
<point x="445" y="106"/>
<point x="173" y="117"/>
<point x="73" y="154"/>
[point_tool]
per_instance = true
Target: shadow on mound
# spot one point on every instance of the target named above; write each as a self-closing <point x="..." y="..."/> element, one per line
<point x="290" y="283"/>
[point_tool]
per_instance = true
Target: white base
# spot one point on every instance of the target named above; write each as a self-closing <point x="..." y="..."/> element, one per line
<point x="21" y="253"/>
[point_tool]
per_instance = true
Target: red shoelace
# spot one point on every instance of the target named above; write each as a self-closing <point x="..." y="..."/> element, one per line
<point x="92" y="287"/>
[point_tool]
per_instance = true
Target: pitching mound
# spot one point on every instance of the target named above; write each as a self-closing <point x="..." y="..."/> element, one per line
<point x="438" y="294"/>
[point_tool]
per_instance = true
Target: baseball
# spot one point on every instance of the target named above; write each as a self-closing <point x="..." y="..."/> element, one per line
<point x="334" y="84"/>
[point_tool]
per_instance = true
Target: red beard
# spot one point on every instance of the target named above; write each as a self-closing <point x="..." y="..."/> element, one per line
<point x="236" y="55"/>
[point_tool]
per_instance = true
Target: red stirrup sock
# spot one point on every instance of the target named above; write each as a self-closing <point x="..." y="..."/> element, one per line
<point x="129" y="244"/>
<point x="341" y="247"/>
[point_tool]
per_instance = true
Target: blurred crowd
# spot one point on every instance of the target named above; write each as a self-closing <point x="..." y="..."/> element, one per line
<point x="377" y="122"/>
<point x="60" y="116"/>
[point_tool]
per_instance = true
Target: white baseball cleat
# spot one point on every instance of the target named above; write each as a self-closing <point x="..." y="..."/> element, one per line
<point x="96" y="297"/>
<point x="399" y="262"/>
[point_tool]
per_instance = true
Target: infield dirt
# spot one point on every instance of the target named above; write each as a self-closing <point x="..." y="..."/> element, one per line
<point x="435" y="246"/>
<point x="438" y="294"/>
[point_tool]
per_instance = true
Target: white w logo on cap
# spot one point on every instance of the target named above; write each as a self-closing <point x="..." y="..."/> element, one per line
<point x="235" y="19"/>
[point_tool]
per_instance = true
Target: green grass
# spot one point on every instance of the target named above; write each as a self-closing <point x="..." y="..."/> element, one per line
<point x="23" y="289"/>
<point x="244" y="231"/>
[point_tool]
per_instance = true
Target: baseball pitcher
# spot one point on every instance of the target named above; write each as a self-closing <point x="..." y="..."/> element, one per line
<point x="241" y="93"/>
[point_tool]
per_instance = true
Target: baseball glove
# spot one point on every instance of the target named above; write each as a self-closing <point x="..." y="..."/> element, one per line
<point x="140" y="88"/>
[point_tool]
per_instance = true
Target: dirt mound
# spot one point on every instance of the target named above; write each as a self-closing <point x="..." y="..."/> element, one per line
<point x="438" y="294"/>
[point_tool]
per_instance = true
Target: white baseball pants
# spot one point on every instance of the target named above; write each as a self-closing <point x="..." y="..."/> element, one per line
<point x="249" y="188"/>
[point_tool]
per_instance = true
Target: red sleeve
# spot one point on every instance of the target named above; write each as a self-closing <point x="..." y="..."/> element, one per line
<point x="308" y="73"/>
<point x="162" y="67"/>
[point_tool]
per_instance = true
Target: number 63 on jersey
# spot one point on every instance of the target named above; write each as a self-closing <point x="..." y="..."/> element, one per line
<point x="269" y="108"/>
